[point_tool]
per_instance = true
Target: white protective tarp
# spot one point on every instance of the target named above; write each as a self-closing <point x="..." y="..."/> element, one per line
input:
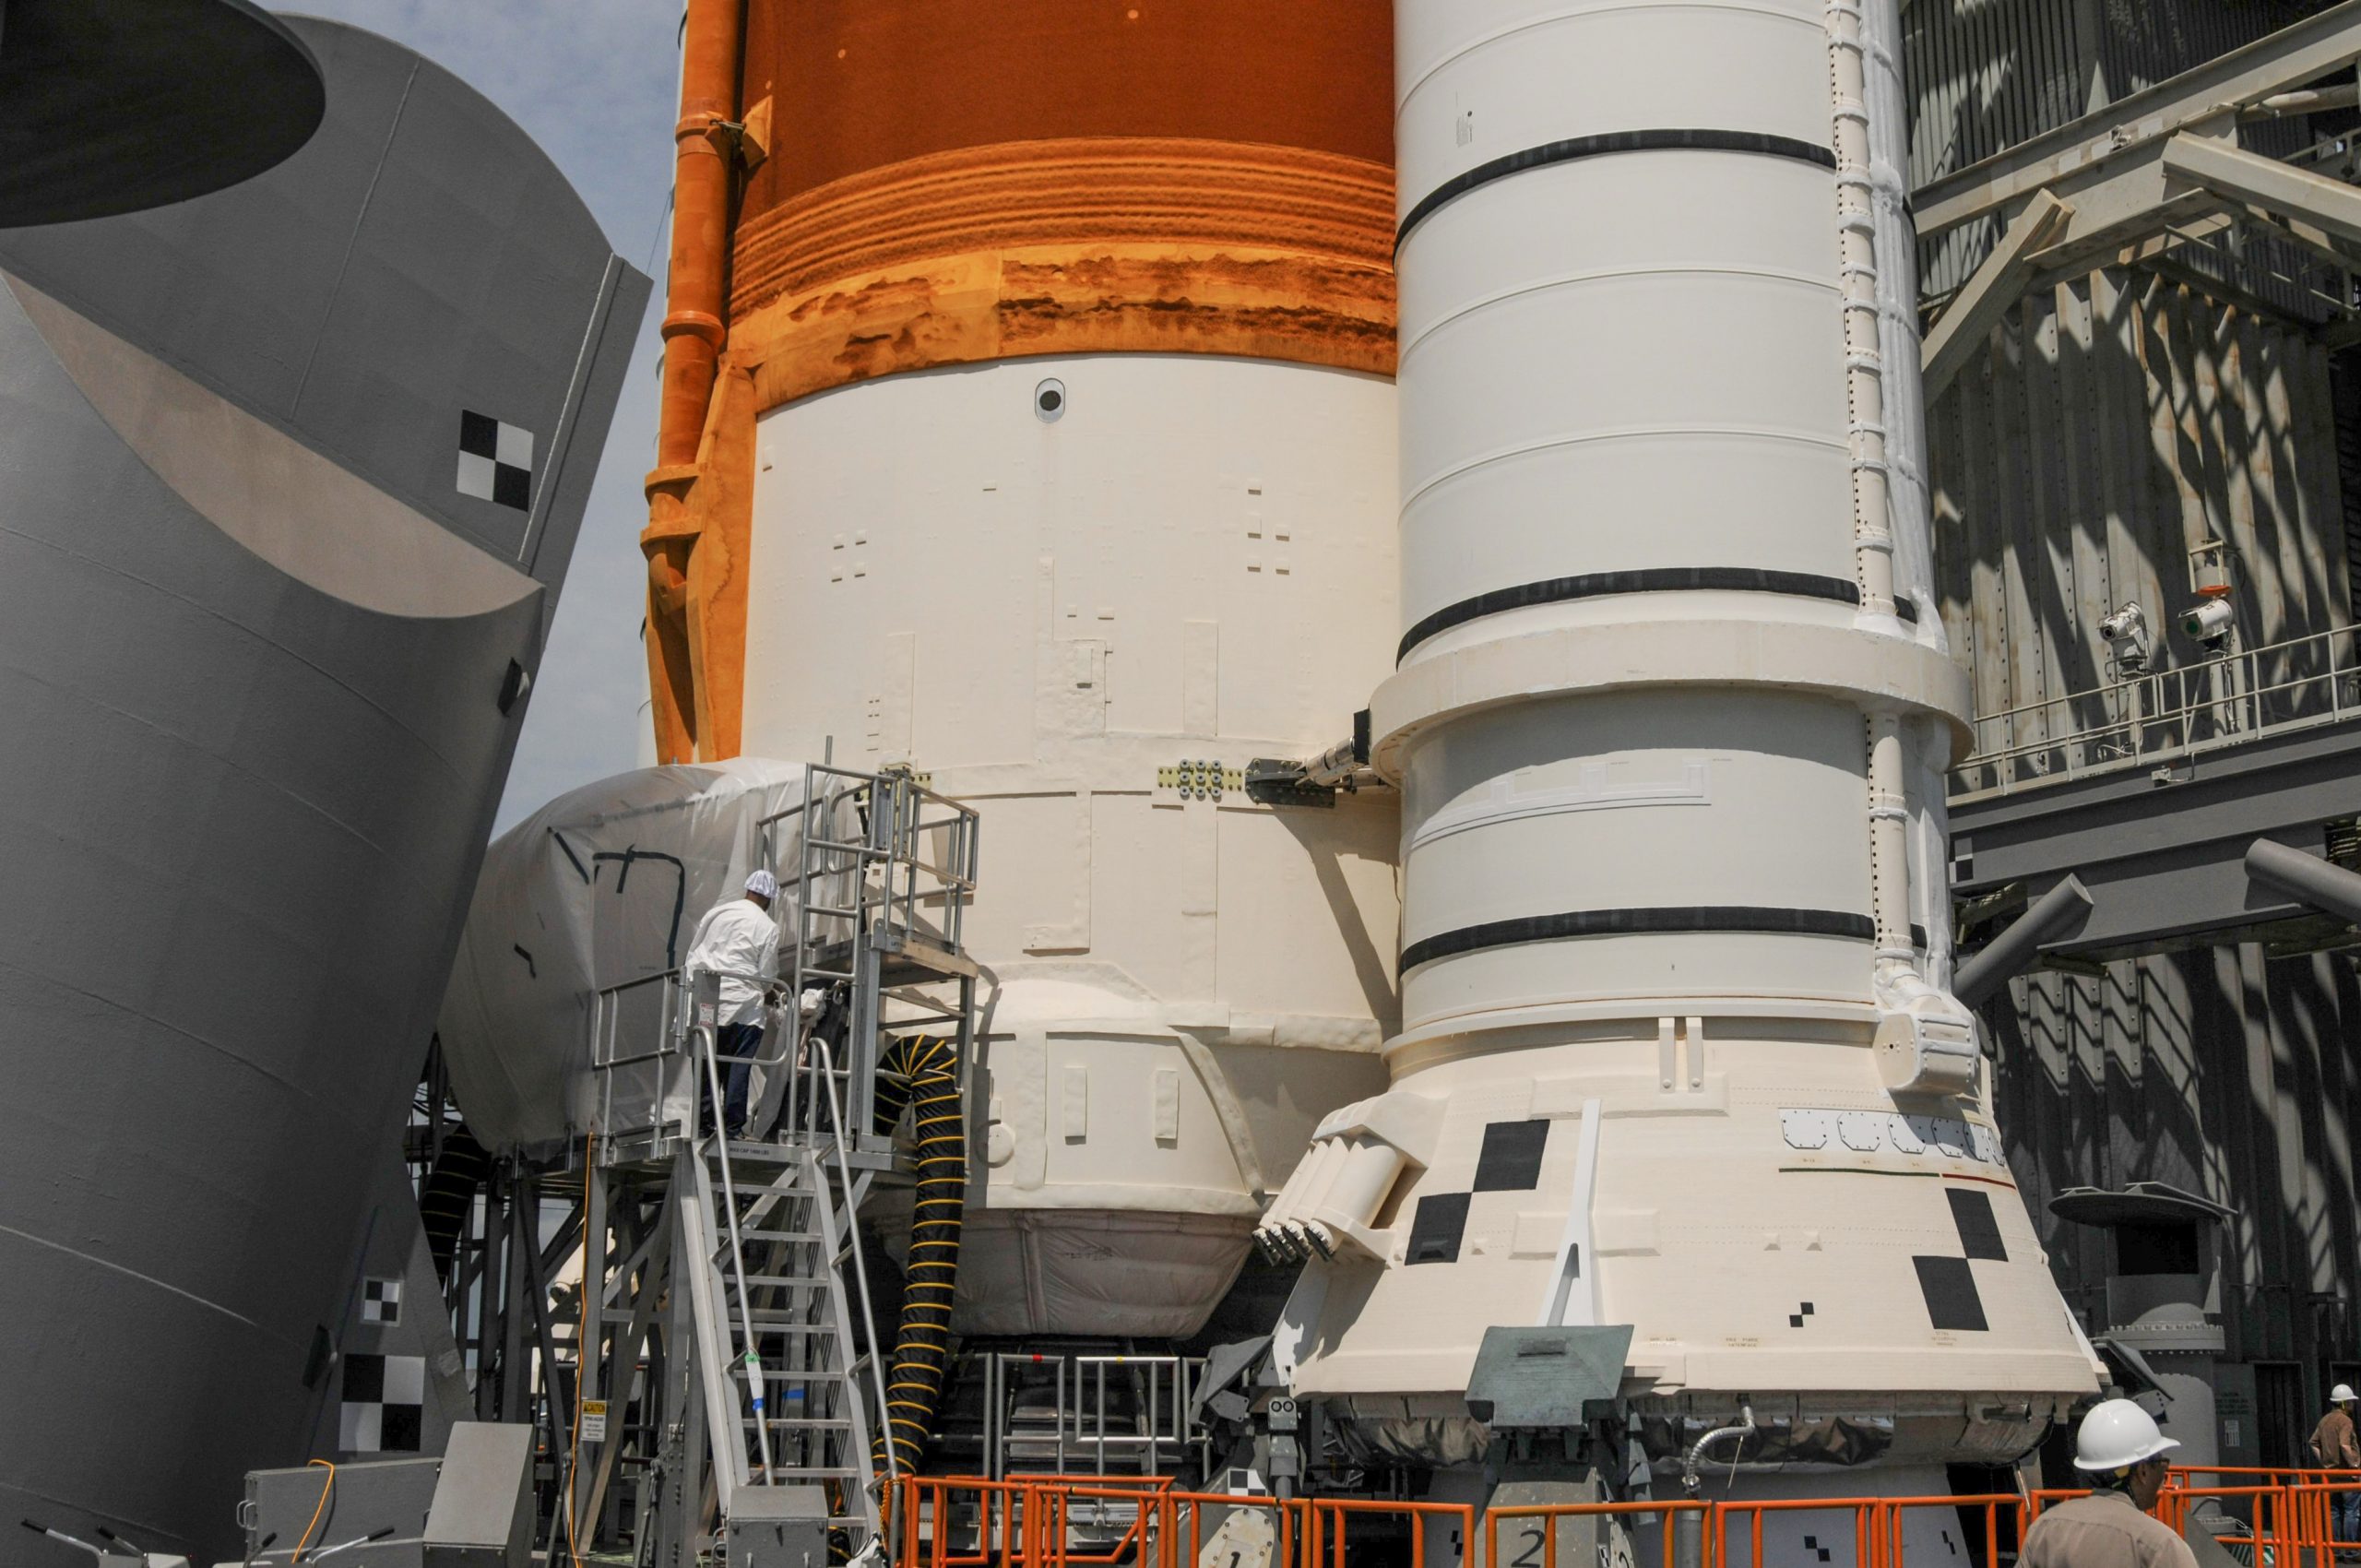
<point x="603" y="886"/>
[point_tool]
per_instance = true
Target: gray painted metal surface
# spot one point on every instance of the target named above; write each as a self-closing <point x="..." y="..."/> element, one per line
<point x="1986" y="75"/>
<point x="2329" y="888"/>
<point x="2164" y="857"/>
<point x="2114" y="423"/>
<point x="2221" y="1071"/>
<point x="2057" y="913"/>
<point x="483" y="1504"/>
<point x="2110" y="422"/>
<point x="247" y="783"/>
<point x="109" y="106"/>
<point x="1546" y="1377"/>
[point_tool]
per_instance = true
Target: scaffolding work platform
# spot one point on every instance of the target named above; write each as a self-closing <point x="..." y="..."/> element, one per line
<point x="731" y="1347"/>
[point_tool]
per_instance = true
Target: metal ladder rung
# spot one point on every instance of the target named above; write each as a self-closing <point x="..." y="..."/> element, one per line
<point x="807" y="1422"/>
<point x="784" y="1375"/>
<point x="780" y="1235"/>
<point x="838" y="1472"/>
<point x="775" y="1279"/>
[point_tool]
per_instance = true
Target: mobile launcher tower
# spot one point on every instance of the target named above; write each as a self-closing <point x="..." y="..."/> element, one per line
<point x="1026" y="420"/>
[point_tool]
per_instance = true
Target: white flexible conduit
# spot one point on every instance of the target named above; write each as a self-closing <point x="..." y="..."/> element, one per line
<point x="1696" y="1454"/>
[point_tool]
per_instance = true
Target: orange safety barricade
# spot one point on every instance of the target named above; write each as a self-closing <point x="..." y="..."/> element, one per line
<point x="1003" y="1537"/>
<point x="2311" y="1514"/>
<point x="923" y="1521"/>
<point x="1169" y="1530"/>
<point x="2274" y="1514"/>
<point x="1994" y="1507"/>
<point x="1326" y="1546"/>
<point x="1862" y="1527"/>
<point x="1669" y="1516"/>
<point x="1030" y="1523"/>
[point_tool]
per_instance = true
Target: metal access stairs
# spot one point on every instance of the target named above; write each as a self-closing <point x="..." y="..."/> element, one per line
<point x="766" y="1390"/>
<point x="787" y="1401"/>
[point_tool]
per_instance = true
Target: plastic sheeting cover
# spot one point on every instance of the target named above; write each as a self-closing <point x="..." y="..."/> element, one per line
<point x="603" y="885"/>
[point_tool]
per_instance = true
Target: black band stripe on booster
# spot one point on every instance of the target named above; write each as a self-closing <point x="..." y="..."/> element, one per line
<point x="1616" y="141"/>
<point x="1659" y="579"/>
<point x="1634" y="922"/>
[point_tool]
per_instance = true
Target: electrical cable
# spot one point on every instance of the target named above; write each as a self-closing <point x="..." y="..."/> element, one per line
<point x="327" y="1486"/>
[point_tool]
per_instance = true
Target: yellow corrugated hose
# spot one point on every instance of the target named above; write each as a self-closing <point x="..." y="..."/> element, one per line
<point x="922" y="1071"/>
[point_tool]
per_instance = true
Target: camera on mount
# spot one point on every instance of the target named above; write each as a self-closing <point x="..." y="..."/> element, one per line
<point x="2125" y="630"/>
<point x="2210" y="622"/>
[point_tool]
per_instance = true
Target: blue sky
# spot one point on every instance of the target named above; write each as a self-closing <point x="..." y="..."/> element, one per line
<point x="596" y="83"/>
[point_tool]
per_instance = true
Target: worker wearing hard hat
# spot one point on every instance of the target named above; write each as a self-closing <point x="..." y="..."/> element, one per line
<point x="2334" y="1448"/>
<point x="739" y="940"/>
<point x="2120" y="1450"/>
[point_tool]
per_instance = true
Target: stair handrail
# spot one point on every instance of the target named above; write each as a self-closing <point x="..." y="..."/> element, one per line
<point x="852" y="1242"/>
<point x="756" y="1390"/>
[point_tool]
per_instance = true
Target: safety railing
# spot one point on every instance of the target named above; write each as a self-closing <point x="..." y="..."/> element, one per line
<point x="645" y="1082"/>
<point x="1860" y="1520"/>
<point x="2285" y="1516"/>
<point x="1685" y="1532"/>
<point x="2002" y="1514"/>
<point x="1145" y="1430"/>
<point x="878" y="872"/>
<point x="1324" y="1548"/>
<point x="970" y="1522"/>
<point x="646" y="1063"/>
<point x="2156" y="716"/>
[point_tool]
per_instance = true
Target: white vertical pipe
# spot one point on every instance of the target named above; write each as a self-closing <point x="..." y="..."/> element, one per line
<point x="1888" y="842"/>
<point x="1926" y="750"/>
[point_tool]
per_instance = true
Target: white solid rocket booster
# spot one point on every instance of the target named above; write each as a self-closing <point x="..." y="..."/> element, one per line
<point x="1676" y="1049"/>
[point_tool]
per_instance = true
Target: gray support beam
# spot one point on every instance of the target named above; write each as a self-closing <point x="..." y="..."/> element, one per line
<point x="2060" y="913"/>
<point x="2310" y="236"/>
<point x="516" y="1318"/>
<point x="589" y="1337"/>
<point x="2211" y="94"/>
<point x="491" y="1274"/>
<point x="681" y="1506"/>
<point x="2307" y="879"/>
<point x="2236" y="174"/>
<point x="623" y="1361"/>
<point x="1986" y="296"/>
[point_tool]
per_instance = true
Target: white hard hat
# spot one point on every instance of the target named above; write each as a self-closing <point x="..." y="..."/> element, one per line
<point x="2343" y="1395"/>
<point x="2117" y="1434"/>
<point x="762" y="884"/>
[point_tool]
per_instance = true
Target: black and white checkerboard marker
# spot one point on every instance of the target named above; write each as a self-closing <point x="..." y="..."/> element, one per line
<point x="495" y="461"/>
<point x="1948" y="1284"/>
<point x="1510" y="1162"/>
<point x="381" y="1302"/>
<point x="385" y="1404"/>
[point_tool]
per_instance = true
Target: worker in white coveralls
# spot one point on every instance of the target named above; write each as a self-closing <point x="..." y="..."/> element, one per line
<point x="2120" y="1448"/>
<point x="739" y="940"/>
